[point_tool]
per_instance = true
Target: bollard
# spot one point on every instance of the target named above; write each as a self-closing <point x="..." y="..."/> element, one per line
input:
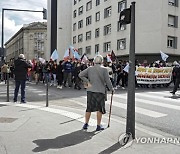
<point x="7" y="76"/>
<point x="47" y="103"/>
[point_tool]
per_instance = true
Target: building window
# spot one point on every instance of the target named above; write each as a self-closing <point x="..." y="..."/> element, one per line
<point x="74" y="40"/>
<point x="97" y="2"/>
<point x="74" y="26"/>
<point x="75" y="13"/>
<point x="172" y="42"/>
<point x="80" y="10"/>
<point x="173" y="2"/>
<point x="75" y="2"/>
<point x="89" y="6"/>
<point x="80" y="24"/>
<point x="80" y="38"/>
<point x="80" y="51"/>
<point x="121" y="44"/>
<point x="88" y="20"/>
<point x="172" y="21"/>
<point x="107" y="29"/>
<point x="88" y="50"/>
<point x="97" y="32"/>
<point x="96" y="48"/>
<point x="123" y="27"/>
<point x="107" y="12"/>
<point x="97" y="16"/>
<point x="107" y="47"/>
<point x="121" y="5"/>
<point x="88" y="35"/>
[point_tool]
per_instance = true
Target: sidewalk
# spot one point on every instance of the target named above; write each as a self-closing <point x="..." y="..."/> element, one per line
<point x="27" y="129"/>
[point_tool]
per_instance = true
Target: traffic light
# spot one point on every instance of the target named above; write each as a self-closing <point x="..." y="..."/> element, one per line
<point x="125" y="17"/>
<point x="44" y="13"/>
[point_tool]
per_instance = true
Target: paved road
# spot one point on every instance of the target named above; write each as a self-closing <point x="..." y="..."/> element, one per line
<point x="155" y="108"/>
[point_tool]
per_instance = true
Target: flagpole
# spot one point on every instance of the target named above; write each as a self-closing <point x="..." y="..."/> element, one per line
<point x="130" y="122"/>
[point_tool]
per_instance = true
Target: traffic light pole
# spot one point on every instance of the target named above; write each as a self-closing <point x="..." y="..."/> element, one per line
<point x="130" y="122"/>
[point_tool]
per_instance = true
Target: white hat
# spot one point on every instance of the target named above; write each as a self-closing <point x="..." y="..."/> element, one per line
<point x="22" y="56"/>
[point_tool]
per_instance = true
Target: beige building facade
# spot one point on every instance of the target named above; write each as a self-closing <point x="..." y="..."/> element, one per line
<point x="30" y="40"/>
<point x="95" y="28"/>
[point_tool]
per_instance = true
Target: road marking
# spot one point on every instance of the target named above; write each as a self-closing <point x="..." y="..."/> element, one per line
<point x="4" y="95"/>
<point x="139" y="110"/>
<point x="156" y="103"/>
<point x="42" y="94"/>
<point x="5" y="92"/>
<point x="165" y="98"/>
<point x="36" y="91"/>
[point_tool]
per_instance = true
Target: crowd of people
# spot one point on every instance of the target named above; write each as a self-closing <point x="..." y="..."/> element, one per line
<point x="65" y="73"/>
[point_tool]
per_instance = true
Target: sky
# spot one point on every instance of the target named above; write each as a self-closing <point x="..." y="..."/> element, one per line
<point x="14" y="20"/>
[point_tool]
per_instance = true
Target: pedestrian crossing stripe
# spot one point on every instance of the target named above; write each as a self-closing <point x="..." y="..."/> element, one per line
<point x="139" y="110"/>
<point x="145" y="101"/>
<point x="164" y="97"/>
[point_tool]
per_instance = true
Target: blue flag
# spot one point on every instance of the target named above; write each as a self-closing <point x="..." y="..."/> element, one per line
<point x="54" y="55"/>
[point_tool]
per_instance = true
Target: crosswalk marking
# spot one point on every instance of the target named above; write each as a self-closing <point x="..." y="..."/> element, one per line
<point x="38" y="91"/>
<point x="167" y="98"/>
<point x="156" y="103"/>
<point x="139" y="110"/>
<point x="42" y="94"/>
<point x="4" y="95"/>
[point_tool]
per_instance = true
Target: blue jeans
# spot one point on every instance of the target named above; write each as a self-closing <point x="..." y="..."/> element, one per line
<point x="19" y="83"/>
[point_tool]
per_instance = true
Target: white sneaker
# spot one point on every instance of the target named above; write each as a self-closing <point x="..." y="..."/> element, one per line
<point x="60" y="87"/>
<point x="123" y="88"/>
<point x="115" y="88"/>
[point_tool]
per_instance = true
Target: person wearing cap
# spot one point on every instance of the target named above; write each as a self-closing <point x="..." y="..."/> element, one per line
<point x="20" y="71"/>
<point x="97" y="78"/>
<point x="176" y="71"/>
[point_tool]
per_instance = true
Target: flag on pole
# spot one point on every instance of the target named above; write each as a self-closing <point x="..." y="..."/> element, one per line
<point x="66" y="54"/>
<point x="113" y="56"/>
<point x="126" y="68"/>
<point x="163" y="55"/>
<point x="75" y="53"/>
<point x="54" y="55"/>
<point x="42" y="60"/>
<point x="84" y="58"/>
<point x="108" y="59"/>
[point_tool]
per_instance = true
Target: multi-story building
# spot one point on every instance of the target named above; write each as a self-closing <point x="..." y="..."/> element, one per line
<point x="31" y="40"/>
<point x="95" y="28"/>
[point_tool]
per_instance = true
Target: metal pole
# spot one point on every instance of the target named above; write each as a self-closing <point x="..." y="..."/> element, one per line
<point x="130" y="123"/>
<point x="7" y="86"/>
<point x="47" y="103"/>
<point x="2" y="37"/>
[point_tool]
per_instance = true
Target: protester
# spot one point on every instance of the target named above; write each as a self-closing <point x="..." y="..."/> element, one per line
<point x="4" y="70"/>
<point x="60" y="75"/>
<point x="97" y="78"/>
<point x="20" y="71"/>
<point x="177" y="82"/>
<point x="68" y="68"/>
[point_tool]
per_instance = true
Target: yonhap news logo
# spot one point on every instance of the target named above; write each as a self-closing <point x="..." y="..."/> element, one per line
<point x="126" y="140"/>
